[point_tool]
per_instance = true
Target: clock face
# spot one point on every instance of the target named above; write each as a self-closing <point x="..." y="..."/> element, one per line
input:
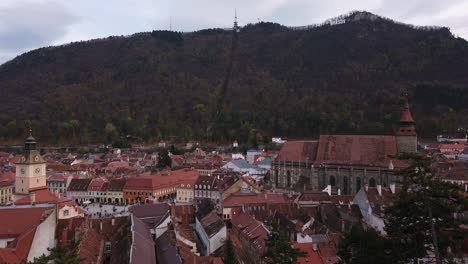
<point x="38" y="170"/>
<point x="22" y="171"/>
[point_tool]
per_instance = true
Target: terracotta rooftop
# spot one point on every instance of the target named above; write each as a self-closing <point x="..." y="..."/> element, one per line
<point x="15" y="221"/>
<point x="79" y="185"/>
<point x="312" y="257"/>
<point x="314" y="196"/>
<point x="239" y="199"/>
<point x="143" y="249"/>
<point x="151" y="214"/>
<point x="212" y="223"/>
<point x="42" y="196"/>
<point x="251" y="230"/>
<point x="356" y="150"/>
<point x="162" y="180"/>
<point x="116" y="185"/>
<point x="298" y="151"/>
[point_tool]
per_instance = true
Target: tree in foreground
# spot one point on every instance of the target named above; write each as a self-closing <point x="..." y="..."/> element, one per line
<point x="229" y="256"/>
<point x="163" y="159"/>
<point x="279" y="250"/>
<point x="59" y="255"/>
<point x="365" y="247"/>
<point x="419" y="224"/>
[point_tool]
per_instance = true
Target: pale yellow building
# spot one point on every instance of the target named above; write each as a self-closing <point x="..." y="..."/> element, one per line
<point x="6" y="193"/>
<point x="30" y="170"/>
<point x="185" y="193"/>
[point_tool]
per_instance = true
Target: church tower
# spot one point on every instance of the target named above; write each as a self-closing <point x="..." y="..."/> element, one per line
<point x="30" y="170"/>
<point x="406" y="137"/>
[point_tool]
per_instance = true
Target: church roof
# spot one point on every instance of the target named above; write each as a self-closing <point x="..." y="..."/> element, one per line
<point x="298" y="151"/>
<point x="363" y="150"/>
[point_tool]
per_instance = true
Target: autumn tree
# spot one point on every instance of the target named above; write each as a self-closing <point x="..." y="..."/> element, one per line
<point x="61" y="254"/>
<point x="420" y="223"/>
<point x="229" y="255"/>
<point x="163" y="159"/>
<point x="279" y="250"/>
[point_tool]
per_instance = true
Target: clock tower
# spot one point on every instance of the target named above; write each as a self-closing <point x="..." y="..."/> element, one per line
<point x="30" y="170"/>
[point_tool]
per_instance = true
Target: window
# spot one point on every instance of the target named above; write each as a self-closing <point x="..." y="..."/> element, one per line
<point x="108" y="247"/>
<point x="372" y="182"/>
<point x="66" y="212"/>
<point x="332" y="181"/>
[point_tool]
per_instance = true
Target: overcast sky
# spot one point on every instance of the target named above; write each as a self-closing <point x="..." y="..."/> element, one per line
<point x="30" y="24"/>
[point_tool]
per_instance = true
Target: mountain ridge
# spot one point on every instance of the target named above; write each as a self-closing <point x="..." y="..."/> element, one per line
<point x="341" y="78"/>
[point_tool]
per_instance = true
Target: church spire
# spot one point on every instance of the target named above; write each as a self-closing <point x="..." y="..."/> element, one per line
<point x="406" y="136"/>
<point x="406" y="122"/>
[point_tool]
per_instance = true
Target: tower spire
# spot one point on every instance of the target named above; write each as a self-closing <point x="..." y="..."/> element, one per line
<point x="406" y="135"/>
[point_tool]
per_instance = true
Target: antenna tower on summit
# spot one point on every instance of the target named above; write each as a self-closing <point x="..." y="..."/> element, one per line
<point x="236" y="25"/>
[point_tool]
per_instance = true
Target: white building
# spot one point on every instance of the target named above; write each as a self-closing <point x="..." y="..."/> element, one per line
<point x="58" y="183"/>
<point x="212" y="232"/>
<point x="27" y="232"/>
<point x="242" y="166"/>
<point x="372" y="203"/>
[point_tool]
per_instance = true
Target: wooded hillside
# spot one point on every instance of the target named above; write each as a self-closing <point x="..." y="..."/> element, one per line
<point x="333" y="78"/>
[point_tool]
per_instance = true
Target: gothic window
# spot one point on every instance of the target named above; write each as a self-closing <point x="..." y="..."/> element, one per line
<point x="332" y="181"/>
<point x="358" y="184"/>
<point x="276" y="177"/>
<point x="372" y="182"/>
<point x="345" y="185"/>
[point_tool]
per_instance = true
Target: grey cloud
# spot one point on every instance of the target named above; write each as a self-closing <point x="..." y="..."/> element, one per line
<point x="32" y="24"/>
<point x="27" y="24"/>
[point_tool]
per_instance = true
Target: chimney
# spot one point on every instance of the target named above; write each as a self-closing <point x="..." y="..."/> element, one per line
<point x="100" y="226"/>
<point x="314" y="247"/>
<point x="392" y="188"/>
<point x="379" y="189"/>
<point x="32" y="197"/>
<point x="113" y="221"/>
<point x="366" y="187"/>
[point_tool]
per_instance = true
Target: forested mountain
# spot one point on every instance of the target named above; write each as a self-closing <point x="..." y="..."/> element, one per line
<point x="344" y="76"/>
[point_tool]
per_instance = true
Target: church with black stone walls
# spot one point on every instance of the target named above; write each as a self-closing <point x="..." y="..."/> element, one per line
<point x="345" y="163"/>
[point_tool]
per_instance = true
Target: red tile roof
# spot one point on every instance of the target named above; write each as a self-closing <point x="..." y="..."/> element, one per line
<point x="251" y="230"/>
<point x="41" y="197"/>
<point x="97" y="184"/>
<point x="8" y="176"/>
<point x="239" y="199"/>
<point x="162" y="180"/>
<point x="16" y="221"/>
<point x="18" y="251"/>
<point x="298" y="151"/>
<point x="79" y="185"/>
<point x="406" y="116"/>
<point x="8" y="255"/>
<point x="312" y="257"/>
<point x="356" y="150"/>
